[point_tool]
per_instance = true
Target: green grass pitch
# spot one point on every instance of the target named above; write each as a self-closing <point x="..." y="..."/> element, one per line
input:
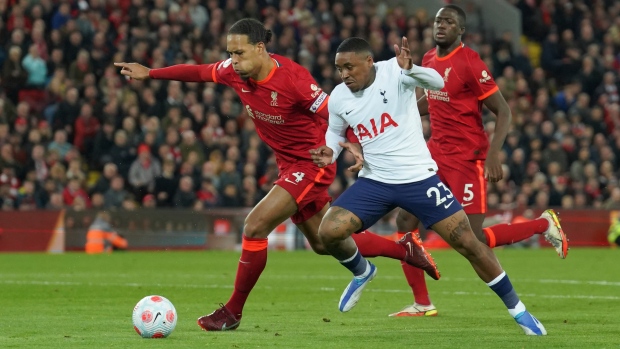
<point x="75" y="300"/>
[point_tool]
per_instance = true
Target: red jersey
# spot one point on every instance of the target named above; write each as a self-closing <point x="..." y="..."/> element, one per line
<point x="456" y="110"/>
<point x="283" y="106"/>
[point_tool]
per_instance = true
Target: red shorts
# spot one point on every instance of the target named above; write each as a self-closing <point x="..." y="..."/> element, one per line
<point x="465" y="178"/>
<point x="308" y="185"/>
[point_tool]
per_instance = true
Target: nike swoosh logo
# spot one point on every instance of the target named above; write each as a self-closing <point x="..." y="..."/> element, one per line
<point x="224" y="327"/>
<point x="348" y="112"/>
<point x="467" y="204"/>
<point x="240" y="261"/>
<point x="448" y="205"/>
<point x="158" y="313"/>
<point x="410" y="248"/>
<point x="290" y="181"/>
<point x="244" y="90"/>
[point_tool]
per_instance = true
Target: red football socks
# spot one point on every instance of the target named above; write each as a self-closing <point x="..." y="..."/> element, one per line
<point x="506" y="234"/>
<point x="251" y="265"/>
<point x="415" y="279"/>
<point x="373" y="245"/>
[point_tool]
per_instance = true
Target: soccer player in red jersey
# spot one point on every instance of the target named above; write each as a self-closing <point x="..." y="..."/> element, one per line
<point x="461" y="148"/>
<point x="290" y="114"/>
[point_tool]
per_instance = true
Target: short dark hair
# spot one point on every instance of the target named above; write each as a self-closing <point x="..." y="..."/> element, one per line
<point x="460" y="13"/>
<point x="254" y="29"/>
<point x="354" y="44"/>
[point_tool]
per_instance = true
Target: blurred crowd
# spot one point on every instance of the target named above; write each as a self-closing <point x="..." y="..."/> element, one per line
<point x="75" y="134"/>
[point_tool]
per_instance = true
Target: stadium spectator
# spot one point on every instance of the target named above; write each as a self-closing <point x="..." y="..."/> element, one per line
<point x="36" y="68"/>
<point x="14" y="76"/>
<point x="165" y="185"/>
<point x="143" y="172"/>
<point x="74" y="191"/>
<point x="185" y="196"/>
<point x="571" y="54"/>
<point x="60" y="144"/>
<point x="116" y="194"/>
<point x="86" y="127"/>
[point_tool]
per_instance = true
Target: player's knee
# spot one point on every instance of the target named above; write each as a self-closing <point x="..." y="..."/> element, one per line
<point x="330" y="232"/>
<point x="256" y="228"/>
<point x="469" y="246"/>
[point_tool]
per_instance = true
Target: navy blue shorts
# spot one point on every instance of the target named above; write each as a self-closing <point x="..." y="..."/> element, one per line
<point x="430" y="200"/>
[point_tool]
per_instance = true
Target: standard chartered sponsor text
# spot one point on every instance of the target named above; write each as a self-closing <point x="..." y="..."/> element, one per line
<point x="439" y="95"/>
<point x="274" y="119"/>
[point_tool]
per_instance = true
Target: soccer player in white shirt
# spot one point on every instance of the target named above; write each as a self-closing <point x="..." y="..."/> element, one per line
<point x="378" y="100"/>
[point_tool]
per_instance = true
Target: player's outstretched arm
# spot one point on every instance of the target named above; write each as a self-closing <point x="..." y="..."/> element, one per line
<point x="179" y="72"/>
<point x="425" y="77"/>
<point x="133" y="70"/>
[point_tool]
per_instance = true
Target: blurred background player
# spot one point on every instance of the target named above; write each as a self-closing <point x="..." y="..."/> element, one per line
<point x="461" y="149"/>
<point x="288" y="110"/>
<point x="101" y="237"/>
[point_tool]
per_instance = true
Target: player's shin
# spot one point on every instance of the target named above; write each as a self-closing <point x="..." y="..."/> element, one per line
<point x="251" y="265"/>
<point x="506" y="234"/>
<point x="502" y="286"/>
<point x="417" y="282"/>
<point x="373" y="245"/>
<point x="347" y="253"/>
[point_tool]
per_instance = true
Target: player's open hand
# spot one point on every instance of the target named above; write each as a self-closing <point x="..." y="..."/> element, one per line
<point x="356" y="150"/>
<point x="403" y="55"/>
<point x="322" y="156"/>
<point x="493" y="169"/>
<point x="134" y="70"/>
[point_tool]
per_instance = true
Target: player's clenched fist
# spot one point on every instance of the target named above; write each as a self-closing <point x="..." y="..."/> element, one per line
<point x="134" y="70"/>
<point x="322" y="156"/>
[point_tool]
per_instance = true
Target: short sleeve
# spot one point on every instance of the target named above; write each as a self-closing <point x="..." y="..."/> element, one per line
<point x="222" y="72"/>
<point x="479" y="79"/>
<point x="309" y="95"/>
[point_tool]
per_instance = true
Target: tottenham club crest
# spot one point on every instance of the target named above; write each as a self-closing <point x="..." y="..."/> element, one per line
<point x="383" y="95"/>
<point x="274" y="99"/>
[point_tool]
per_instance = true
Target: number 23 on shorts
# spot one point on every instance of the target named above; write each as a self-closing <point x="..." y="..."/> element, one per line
<point x="440" y="196"/>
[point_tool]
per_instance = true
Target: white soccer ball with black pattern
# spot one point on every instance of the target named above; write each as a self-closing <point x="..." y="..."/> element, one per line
<point x="154" y="317"/>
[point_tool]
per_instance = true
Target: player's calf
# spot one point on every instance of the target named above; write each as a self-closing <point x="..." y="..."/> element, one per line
<point x="458" y="233"/>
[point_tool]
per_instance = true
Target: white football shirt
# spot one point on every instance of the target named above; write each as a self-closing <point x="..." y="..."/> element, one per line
<point x="386" y="120"/>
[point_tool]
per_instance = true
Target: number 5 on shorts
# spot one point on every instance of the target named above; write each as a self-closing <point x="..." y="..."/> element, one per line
<point x="469" y="195"/>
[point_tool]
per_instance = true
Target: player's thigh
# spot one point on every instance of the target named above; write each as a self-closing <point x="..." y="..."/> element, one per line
<point x="430" y="200"/>
<point x="307" y="184"/>
<point x="358" y="208"/>
<point x="273" y="209"/>
<point x="465" y="178"/>
<point x="406" y="221"/>
<point x="457" y="231"/>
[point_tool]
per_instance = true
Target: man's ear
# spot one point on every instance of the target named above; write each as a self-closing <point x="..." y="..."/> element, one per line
<point x="260" y="47"/>
<point x="462" y="31"/>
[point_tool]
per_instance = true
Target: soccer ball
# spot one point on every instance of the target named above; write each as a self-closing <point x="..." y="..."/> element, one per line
<point x="154" y="317"/>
